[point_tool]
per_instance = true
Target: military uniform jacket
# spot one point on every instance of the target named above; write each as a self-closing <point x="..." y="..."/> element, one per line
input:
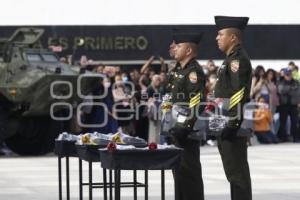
<point x="235" y="85"/>
<point x="186" y="85"/>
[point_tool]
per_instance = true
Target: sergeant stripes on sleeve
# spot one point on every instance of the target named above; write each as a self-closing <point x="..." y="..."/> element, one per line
<point x="236" y="98"/>
<point x="195" y="100"/>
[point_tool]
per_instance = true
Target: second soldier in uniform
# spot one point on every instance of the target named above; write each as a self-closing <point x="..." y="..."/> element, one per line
<point x="186" y="87"/>
<point x="234" y="82"/>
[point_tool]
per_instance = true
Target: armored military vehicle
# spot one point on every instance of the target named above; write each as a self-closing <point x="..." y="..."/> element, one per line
<point x="32" y="81"/>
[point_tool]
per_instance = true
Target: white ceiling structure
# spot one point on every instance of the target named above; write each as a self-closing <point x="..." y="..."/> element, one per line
<point x="149" y="12"/>
<point x="141" y="12"/>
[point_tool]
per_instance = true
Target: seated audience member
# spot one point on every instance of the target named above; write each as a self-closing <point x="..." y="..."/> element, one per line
<point x="263" y="119"/>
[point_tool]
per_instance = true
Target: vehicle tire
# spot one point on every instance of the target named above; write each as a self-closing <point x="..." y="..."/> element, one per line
<point x="35" y="136"/>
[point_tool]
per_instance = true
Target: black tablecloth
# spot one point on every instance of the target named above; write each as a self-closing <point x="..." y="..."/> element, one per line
<point x="89" y="152"/>
<point x="65" y="148"/>
<point x="136" y="159"/>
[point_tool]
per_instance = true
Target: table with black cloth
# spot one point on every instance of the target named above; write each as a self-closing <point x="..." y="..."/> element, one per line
<point x="90" y="154"/>
<point x="134" y="160"/>
<point x="64" y="149"/>
<point x="140" y="159"/>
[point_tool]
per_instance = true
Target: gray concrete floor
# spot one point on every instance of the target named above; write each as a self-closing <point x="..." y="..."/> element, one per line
<point x="275" y="171"/>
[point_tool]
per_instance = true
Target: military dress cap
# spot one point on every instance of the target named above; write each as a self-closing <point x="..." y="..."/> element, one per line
<point x="179" y="37"/>
<point x="231" y="22"/>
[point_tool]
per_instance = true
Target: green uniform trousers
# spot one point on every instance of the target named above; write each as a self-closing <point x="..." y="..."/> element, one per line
<point x="188" y="178"/>
<point x="234" y="157"/>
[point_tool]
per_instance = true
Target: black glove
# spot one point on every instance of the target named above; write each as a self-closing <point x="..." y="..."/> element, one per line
<point x="229" y="133"/>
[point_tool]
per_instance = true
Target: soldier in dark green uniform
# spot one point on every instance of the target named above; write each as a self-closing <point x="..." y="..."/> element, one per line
<point x="234" y="82"/>
<point x="186" y="86"/>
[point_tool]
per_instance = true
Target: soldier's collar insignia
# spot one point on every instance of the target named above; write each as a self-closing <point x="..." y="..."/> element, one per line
<point x="193" y="77"/>
<point x="221" y="68"/>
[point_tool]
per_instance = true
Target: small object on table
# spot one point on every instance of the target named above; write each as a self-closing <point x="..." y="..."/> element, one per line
<point x="152" y="146"/>
<point x="111" y="146"/>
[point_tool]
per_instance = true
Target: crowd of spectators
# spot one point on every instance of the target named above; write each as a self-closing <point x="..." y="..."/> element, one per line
<point x="134" y="95"/>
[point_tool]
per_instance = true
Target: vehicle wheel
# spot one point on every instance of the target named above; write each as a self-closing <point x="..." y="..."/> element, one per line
<point x="35" y="136"/>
